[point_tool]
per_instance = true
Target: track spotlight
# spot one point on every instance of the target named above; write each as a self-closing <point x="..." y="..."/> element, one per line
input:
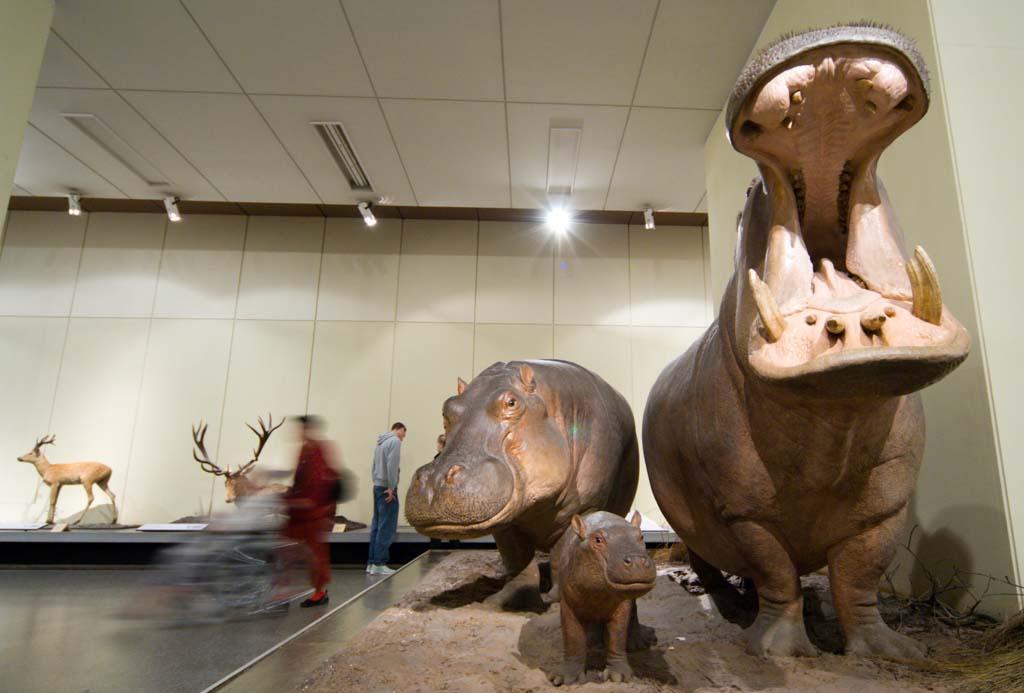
<point x="558" y="220"/>
<point x="648" y="218"/>
<point x="74" y="204"/>
<point x="171" y="205"/>
<point x="364" y="209"/>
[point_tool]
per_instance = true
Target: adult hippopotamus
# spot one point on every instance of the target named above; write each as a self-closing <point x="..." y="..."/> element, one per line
<point x="601" y="567"/>
<point x="528" y="445"/>
<point x="788" y="438"/>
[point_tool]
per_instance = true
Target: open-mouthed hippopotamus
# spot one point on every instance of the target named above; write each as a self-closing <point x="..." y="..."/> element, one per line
<point x="788" y="438"/>
<point x="601" y="567"/>
<point x="528" y="445"/>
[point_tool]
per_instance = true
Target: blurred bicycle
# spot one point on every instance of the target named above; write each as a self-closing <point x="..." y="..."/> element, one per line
<point x="240" y="566"/>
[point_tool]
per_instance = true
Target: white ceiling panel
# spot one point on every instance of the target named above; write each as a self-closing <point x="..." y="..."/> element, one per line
<point x="529" y="125"/>
<point x="290" y="116"/>
<point x="150" y="44"/>
<point x="228" y="141"/>
<point x="18" y="190"/>
<point x="441" y="49"/>
<point x="662" y="160"/>
<point x="276" y="47"/>
<point x="181" y="178"/>
<point x="46" y="169"/>
<point x="574" y="51"/>
<point x="697" y="50"/>
<point x="456" y="152"/>
<point x="62" y="68"/>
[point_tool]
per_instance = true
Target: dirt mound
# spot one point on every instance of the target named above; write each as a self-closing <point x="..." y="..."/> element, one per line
<point x="439" y="638"/>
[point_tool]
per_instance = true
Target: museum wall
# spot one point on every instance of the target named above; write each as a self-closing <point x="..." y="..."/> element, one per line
<point x="959" y="507"/>
<point x="975" y="51"/>
<point x="119" y="331"/>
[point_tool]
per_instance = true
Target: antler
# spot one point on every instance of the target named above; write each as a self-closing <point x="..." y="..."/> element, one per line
<point x="46" y="440"/>
<point x="199" y="440"/>
<point x="263" y="435"/>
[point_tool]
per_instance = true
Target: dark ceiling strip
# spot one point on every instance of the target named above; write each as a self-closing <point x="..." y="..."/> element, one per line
<point x="100" y="204"/>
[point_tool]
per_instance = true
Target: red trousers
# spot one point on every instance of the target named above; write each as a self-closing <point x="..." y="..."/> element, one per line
<point x="311" y="533"/>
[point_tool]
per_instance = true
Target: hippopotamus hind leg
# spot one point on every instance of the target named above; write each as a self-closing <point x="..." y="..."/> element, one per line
<point x="855" y="566"/>
<point x="779" y="626"/>
<point x="639" y="636"/>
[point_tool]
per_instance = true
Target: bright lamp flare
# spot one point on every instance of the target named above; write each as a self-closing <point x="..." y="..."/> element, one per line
<point x="558" y="220"/>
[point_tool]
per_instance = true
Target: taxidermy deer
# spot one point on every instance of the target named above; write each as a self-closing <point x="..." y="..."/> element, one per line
<point x="69" y="474"/>
<point x="237" y="485"/>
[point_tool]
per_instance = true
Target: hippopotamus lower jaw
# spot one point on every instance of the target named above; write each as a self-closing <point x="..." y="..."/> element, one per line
<point x="825" y="292"/>
<point x="457" y="498"/>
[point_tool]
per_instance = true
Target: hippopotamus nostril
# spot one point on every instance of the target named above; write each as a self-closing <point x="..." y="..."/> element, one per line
<point x="627" y="560"/>
<point x="452" y="474"/>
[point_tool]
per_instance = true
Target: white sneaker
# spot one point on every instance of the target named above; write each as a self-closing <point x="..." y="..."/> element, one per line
<point x="382" y="570"/>
<point x="369" y="568"/>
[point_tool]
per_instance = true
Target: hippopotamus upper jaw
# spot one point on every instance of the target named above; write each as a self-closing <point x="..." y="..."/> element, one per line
<point x="825" y="293"/>
<point x="454" y="497"/>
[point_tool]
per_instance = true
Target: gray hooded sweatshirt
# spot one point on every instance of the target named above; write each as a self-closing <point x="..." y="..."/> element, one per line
<point x="386" y="458"/>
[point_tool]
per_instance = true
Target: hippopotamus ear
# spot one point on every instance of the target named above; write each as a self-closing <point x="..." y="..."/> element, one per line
<point x="526" y="377"/>
<point x="461" y="387"/>
<point x="579" y="527"/>
<point x="636" y="519"/>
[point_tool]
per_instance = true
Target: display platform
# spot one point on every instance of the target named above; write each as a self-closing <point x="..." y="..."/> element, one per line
<point x="428" y="630"/>
<point x="135" y="547"/>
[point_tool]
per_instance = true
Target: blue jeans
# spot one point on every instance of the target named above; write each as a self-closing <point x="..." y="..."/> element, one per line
<point x="383" y="526"/>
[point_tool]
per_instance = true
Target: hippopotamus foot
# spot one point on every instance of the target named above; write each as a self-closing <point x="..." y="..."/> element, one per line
<point x="617" y="671"/>
<point x="879" y="640"/>
<point x="780" y="632"/>
<point x="573" y="670"/>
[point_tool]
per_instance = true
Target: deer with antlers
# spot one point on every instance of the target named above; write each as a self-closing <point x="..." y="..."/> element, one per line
<point x="57" y="476"/>
<point x="237" y="485"/>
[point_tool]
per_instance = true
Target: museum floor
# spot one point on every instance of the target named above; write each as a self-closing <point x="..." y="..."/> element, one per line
<point x="62" y="632"/>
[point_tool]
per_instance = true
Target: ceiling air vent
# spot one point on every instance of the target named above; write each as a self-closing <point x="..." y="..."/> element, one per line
<point x="563" y="157"/>
<point x="115" y="145"/>
<point x="344" y="154"/>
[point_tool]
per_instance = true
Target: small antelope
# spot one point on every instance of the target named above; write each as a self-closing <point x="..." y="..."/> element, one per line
<point x="69" y="474"/>
<point x="237" y="485"/>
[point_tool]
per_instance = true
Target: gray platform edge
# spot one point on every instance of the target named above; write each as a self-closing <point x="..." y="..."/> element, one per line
<point x="234" y="675"/>
<point x="131" y="536"/>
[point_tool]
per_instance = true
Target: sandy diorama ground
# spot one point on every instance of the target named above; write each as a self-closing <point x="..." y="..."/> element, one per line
<point x="441" y="638"/>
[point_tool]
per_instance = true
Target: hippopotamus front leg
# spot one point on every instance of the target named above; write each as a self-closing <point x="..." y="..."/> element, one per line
<point x="574" y="645"/>
<point x="855" y="566"/>
<point x="520" y="569"/>
<point x="617" y="631"/>
<point x="779" y="626"/>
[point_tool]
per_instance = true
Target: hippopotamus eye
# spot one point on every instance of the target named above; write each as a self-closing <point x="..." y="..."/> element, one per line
<point x="511" y="402"/>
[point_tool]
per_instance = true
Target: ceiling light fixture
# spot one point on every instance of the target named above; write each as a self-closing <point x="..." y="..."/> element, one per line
<point x="74" y="204"/>
<point x="171" y="205"/>
<point x="558" y="220"/>
<point x="368" y="217"/>
<point x="648" y="218"/>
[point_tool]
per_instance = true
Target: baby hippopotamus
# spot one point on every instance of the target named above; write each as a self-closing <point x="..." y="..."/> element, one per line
<point x="600" y="566"/>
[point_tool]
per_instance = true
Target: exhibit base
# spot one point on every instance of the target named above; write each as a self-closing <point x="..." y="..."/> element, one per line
<point x="428" y="630"/>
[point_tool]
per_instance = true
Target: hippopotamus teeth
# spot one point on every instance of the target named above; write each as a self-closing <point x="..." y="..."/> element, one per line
<point x="924" y="282"/>
<point x="767" y="308"/>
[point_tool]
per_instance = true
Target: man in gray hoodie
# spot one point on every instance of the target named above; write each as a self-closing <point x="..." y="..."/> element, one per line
<point x="386" y="459"/>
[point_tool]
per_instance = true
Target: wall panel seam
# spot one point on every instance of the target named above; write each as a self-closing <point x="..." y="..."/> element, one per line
<point x="142" y="373"/>
<point x="316" y="311"/>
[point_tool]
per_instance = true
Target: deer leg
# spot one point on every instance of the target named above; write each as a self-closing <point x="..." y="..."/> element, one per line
<point x="88" y="504"/>
<point x="54" y="492"/>
<point x="113" y="500"/>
